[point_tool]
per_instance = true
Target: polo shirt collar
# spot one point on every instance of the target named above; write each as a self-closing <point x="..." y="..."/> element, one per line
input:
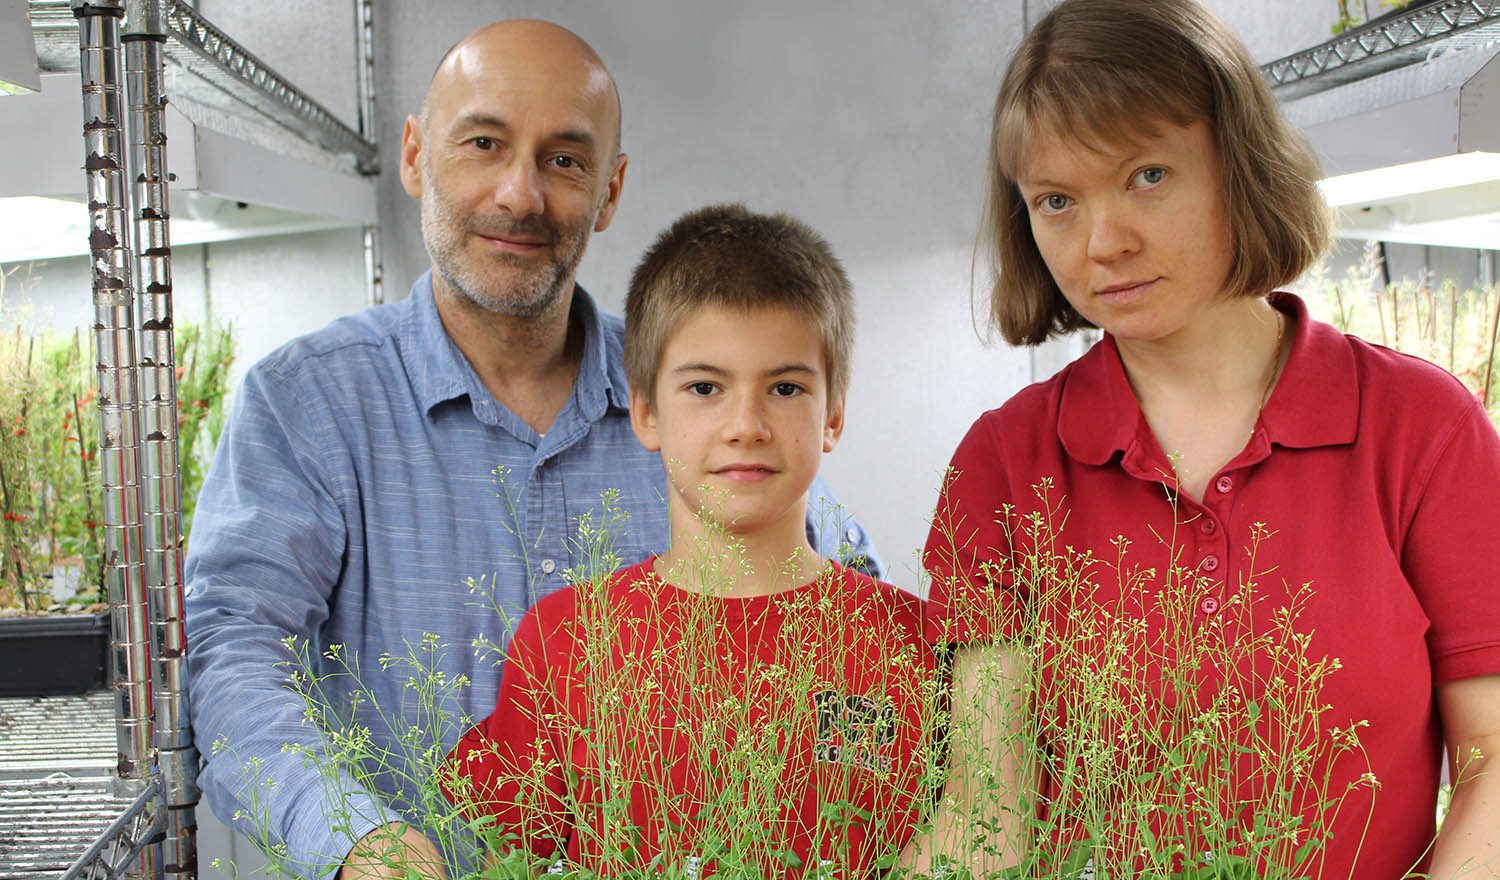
<point x="1315" y="403"/>
<point x="441" y="373"/>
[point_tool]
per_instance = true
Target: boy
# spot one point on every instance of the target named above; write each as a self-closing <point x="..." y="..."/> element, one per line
<point x="738" y="703"/>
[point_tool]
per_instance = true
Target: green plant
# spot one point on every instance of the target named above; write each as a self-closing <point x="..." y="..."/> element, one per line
<point x="51" y="543"/>
<point x="1171" y="746"/>
<point x="1232" y="782"/>
<point x="1348" y="20"/>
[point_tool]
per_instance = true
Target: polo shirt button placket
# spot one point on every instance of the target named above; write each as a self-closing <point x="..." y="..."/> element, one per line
<point x="1212" y="546"/>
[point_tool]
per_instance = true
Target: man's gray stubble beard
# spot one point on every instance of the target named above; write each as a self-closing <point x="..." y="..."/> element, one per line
<point x="537" y="293"/>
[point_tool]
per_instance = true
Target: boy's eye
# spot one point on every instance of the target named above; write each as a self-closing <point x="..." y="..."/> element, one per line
<point x="1148" y="177"/>
<point x="786" y="389"/>
<point x="701" y="389"/>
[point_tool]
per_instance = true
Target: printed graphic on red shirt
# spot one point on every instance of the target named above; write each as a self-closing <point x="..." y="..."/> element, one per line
<point x="856" y="730"/>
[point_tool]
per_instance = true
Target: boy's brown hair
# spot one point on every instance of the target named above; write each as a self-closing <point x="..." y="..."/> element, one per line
<point x="1095" y="71"/>
<point x="728" y="256"/>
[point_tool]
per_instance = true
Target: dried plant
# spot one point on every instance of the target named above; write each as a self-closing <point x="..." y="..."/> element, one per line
<point x="1459" y="330"/>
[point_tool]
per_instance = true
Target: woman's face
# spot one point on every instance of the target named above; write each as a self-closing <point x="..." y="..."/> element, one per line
<point x="1137" y="238"/>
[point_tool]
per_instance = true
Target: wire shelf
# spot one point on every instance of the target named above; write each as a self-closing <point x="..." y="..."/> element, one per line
<point x="219" y="75"/>
<point x="1386" y="43"/>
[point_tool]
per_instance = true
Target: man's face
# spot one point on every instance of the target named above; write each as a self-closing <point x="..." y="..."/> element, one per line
<point x="515" y="164"/>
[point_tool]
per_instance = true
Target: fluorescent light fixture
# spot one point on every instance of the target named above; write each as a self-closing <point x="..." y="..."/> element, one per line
<point x="40" y="228"/>
<point x="18" y="69"/>
<point x="1411" y="178"/>
<point x="1452" y="201"/>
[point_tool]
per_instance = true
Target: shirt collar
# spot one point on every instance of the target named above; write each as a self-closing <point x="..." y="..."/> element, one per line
<point x="1315" y="402"/>
<point x="441" y="373"/>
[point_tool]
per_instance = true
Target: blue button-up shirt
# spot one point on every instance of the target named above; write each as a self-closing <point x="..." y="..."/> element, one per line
<point x="370" y="493"/>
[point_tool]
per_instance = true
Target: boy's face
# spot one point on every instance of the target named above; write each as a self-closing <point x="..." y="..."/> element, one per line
<point x="741" y="417"/>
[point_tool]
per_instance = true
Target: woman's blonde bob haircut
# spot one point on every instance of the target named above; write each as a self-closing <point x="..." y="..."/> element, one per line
<point x="1105" y="73"/>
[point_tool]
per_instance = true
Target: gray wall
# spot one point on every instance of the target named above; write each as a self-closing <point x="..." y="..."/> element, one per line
<point x="270" y="289"/>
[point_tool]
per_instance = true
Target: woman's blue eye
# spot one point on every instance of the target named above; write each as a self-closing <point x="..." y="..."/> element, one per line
<point x="1055" y="202"/>
<point x="1151" y="176"/>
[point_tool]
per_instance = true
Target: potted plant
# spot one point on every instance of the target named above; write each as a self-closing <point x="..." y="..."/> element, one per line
<point x="54" y="625"/>
<point x="1353" y="13"/>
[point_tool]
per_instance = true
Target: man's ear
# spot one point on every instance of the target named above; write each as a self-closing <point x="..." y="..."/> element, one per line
<point x="833" y="426"/>
<point x="643" y="421"/>
<point x="411" y="157"/>
<point x="612" y="193"/>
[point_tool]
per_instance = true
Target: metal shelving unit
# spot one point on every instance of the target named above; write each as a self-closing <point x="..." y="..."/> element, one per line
<point x="128" y="55"/>
<point x="221" y="79"/>
<point x="1384" y="44"/>
<point x="57" y="760"/>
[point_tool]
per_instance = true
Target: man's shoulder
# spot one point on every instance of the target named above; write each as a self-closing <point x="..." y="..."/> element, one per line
<point x="351" y="344"/>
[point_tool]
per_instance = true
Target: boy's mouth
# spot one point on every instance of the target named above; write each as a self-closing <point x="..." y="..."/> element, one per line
<point x="745" y="473"/>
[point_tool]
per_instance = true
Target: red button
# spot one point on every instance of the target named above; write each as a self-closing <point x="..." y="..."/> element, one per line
<point x="1210" y="563"/>
<point x="1209" y="526"/>
<point x="1209" y="605"/>
<point x="1223" y="484"/>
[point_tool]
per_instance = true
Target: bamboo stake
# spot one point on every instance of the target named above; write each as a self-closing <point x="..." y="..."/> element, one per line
<point x="88" y="496"/>
<point x="15" y="545"/>
<point x="1489" y="364"/>
<point x="1453" y="329"/>
<point x="1395" y="315"/>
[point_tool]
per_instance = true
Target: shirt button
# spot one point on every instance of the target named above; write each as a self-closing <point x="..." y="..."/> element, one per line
<point x="548" y="566"/>
<point x="1208" y="527"/>
<point x="1223" y="485"/>
<point x="1210" y="563"/>
<point x="852" y="536"/>
<point x="1209" y="605"/>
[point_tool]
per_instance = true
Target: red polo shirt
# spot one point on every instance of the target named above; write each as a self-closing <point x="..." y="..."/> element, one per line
<point x="1377" y="478"/>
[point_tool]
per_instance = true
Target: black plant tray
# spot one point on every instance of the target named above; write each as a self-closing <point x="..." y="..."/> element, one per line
<point x="63" y="654"/>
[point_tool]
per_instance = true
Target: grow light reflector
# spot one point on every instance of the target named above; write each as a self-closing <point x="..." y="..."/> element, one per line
<point x="18" y="68"/>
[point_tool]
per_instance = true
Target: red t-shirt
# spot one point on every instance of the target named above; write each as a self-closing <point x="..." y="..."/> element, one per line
<point x="788" y="726"/>
<point x="1374" y="478"/>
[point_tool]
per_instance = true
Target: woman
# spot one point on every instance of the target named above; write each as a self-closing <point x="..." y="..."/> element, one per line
<point x="1252" y="459"/>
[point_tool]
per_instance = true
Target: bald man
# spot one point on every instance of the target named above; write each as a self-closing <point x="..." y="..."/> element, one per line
<point x="374" y="472"/>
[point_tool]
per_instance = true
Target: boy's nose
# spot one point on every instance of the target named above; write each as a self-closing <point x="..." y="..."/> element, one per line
<point x="747" y="422"/>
